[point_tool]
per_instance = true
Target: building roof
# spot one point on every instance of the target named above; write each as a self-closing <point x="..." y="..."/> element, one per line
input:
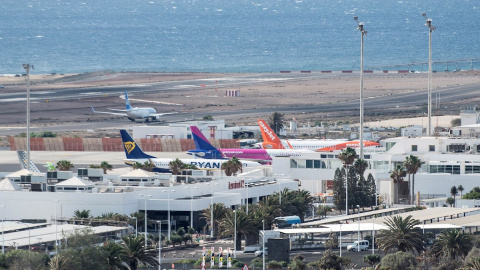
<point x="21" y="172"/>
<point x="75" y="182"/>
<point x="8" y="185"/>
<point x="139" y="173"/>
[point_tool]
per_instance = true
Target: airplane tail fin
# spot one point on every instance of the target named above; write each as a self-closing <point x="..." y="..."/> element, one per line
<point x="132" y="150"/>
<point x="127" y="102"/>
<point x="270" y="139"/>
<point x="203" y="147"/>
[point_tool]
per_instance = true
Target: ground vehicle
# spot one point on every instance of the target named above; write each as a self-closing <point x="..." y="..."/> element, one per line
<point x="355" y="247"/>
<point x="259" y="253"/>
<point x="287" y="221"/>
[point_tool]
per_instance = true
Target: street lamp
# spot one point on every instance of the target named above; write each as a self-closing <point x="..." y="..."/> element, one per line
<point x="235" y="236"/>
<point x="263" y="242"/>
<point x="146" y="233"/>
<point x="431" y="29"/>
<point x="340" y="245"/>
<point x="373" y="235"/>
<point x="56" y="229"/>
<point x="168" y="203"/>
<point x="363" y="32"/>
<point x="27" y="67"/>
<point x="3" y="232"/>
<point x="159" y="244"/>
<point x="136" y="226"/>
<point x="211" y="209"/>
<point x="191" y="205"/>
<point x="346" y="190"/>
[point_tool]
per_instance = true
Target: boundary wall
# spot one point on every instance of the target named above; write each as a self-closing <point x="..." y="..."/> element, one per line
<point x="112" y="144"/>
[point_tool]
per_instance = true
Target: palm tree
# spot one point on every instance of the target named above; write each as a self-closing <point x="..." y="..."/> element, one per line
<point x="454" y="192"/>
<point x="245" y="225"/>
<point x="412" y="164"/>
<point x="81" y="214"/>
<point x="232" y="166"/>
<point x="275" y="121"/>
<point x="175" y="166"/>
<point x="64" y="165"/>
<point x="135" y="252"/>
<point x="59" y="262"/>
<point x="401" y="234"/>
<point x="360" y="166"/>
<point x="302" y="203"/>
<point x="115" y="255"/>
<point x="347" y="156"/>
<point x="397" y="176"/>
<point x="219" y="212"/>
<point x="105" y="166"/>
<point x="451" y="244"/>
<point x="460" y="188"/>
<point x="450" y="201"/>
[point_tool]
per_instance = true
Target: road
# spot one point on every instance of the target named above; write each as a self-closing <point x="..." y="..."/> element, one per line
<point x="169" y="257"/>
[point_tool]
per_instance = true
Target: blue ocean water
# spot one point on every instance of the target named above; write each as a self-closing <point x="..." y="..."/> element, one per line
<point x="66" y="36"/>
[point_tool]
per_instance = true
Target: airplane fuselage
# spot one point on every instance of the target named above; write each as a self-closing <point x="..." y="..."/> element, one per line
<point x="162" y="164"/>
<point x="140" y="113"/>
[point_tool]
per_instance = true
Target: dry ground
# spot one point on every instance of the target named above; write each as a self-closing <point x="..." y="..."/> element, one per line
<point x="320" y="90"/>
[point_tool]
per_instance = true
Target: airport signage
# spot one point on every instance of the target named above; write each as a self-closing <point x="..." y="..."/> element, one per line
<point x="235" y="185"/>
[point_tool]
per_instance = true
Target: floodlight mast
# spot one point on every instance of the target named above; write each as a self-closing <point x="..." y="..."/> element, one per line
<point x="431" y="29"/>
<point x="363" y="33"/>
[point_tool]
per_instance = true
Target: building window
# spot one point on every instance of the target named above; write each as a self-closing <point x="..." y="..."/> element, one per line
<point x="452" y="169"/>
<point x="471" y="169"/>
<point x="309" y="164"/>
<point x="431" y="148"/>
<point x="414" y="148"/>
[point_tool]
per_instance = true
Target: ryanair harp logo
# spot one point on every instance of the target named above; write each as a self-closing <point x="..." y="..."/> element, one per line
<point x="129" y="146"/>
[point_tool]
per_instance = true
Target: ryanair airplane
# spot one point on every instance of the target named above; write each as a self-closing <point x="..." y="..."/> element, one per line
<point x="134" y="154"/>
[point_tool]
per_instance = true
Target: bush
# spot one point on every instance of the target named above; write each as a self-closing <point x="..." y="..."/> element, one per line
<point x="399" y="260"/>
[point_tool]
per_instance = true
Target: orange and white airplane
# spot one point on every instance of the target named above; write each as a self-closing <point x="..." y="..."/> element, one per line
<point x="271" y="141"/>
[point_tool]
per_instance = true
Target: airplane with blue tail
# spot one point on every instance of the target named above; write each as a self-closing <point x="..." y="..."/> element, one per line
<point x="134" y="154"/>
<point x="204" y="149"/>
<point x="143" y="114"/>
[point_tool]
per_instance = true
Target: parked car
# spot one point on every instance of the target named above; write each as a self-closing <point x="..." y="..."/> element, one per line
<point x="364" y="244"/>
<point x="1" y="86"/>
<point x="259" y="253"/>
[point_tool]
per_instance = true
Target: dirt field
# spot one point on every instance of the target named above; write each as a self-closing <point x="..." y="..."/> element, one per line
<point x="199" y="102"/>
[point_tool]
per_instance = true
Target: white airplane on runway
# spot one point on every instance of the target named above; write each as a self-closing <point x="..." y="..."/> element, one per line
<point x="135" y="114"/>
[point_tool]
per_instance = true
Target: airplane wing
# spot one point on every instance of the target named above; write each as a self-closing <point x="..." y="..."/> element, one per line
<point x="112" y="113"/>
<point x="160" y="114"/>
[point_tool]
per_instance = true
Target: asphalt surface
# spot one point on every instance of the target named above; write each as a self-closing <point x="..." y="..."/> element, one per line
<point x="347" y="107"/>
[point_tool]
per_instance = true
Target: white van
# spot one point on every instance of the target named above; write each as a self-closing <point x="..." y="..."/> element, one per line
<point x="355" y="247"/>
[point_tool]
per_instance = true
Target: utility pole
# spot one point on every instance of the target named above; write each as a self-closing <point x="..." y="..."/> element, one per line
<point x="27" y="68"/>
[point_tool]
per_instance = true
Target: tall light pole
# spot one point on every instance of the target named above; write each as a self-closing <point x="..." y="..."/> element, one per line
<point x="235" y="236"/>
<point x="346" y="191"/>
<point x="191" y="205"/>
<point x="431" y="29"/>
<point x="168" y="203"/>
<point x="27" y="68"/>
<point x="340" y="245"/>
<point x="373" y="235"/>
<point x="263" y="242"/>
<point x="56" y="229"/>
<point x="136" y="226"/>
<point x="146" y="233"/>
<point x="3" y="232"/>
<point x="211" y="209"/>
<point x="159" y="245"/>
<point x="362" y="32"/>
